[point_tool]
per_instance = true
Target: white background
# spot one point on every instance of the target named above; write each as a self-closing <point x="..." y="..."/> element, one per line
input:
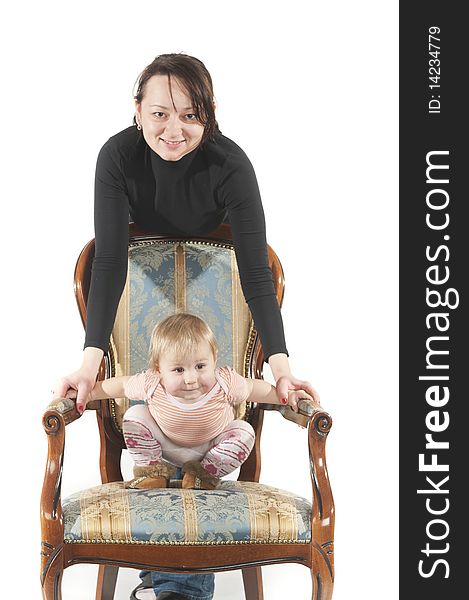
<point x="309" y="91"/>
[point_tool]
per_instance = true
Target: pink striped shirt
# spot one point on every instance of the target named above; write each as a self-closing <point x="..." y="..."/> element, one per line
<point x="195" y="423"/>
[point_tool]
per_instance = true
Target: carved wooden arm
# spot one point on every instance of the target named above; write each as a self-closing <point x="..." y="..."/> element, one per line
<point x="323" y="515"/>
<point x="58" y="414"/>
<point x="306" y="410"/>
<point x="319" y="423"/>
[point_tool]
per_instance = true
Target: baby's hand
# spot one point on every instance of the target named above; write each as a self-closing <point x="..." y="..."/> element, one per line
<point x="295" y="395"/>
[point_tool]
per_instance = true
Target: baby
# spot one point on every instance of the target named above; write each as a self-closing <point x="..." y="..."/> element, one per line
<point x="188" y="418"/>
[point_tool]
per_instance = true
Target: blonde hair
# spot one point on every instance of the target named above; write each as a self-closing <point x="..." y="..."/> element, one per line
<point x="180" y="334"/>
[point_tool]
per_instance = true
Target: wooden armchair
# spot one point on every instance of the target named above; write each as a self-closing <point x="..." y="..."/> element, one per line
<point x="242" y="524"/>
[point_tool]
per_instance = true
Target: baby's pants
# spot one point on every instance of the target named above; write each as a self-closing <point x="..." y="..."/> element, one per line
<point x="148" y="445"/>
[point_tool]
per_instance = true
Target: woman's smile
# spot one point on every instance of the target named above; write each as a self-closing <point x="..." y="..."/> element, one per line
<point x="172" y="144"/>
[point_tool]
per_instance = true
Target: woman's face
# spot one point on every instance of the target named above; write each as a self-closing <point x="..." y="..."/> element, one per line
<point x="171" y="130"/>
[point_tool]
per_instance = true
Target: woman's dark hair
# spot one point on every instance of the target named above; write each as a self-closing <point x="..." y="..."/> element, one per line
<point x="194" y="78"/>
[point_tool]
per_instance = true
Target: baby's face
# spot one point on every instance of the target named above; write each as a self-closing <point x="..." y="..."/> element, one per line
<point x="187" y="378"/>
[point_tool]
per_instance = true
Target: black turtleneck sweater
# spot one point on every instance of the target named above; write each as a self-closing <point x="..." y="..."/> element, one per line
<point x="213" y="183"/>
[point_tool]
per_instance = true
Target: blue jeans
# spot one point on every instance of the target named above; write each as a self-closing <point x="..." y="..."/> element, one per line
<point x="195" y="586"/>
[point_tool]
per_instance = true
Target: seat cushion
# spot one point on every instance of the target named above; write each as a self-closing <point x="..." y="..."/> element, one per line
<point x="236" y="512"/>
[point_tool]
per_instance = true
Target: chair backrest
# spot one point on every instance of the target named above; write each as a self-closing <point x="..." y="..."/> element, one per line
<point x="167" y="275"/>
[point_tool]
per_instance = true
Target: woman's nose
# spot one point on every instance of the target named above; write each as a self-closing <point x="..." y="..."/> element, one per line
<point x="173" y="126"/>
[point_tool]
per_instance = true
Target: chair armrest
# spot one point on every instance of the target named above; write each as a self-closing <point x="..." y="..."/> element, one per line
<point x="323" y="515"/>
<point x="319" y="423"/>
<point x="306" y="411"/>
<point x="65" y="407"/>
<point x="59" y="413"/>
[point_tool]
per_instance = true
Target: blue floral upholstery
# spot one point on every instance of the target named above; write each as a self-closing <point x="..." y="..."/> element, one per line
<point x="165" y="277"/>
<point x="236" y="512"/>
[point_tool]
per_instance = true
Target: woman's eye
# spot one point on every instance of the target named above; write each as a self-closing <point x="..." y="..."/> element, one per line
<point x="191" y="117"/>
<point x="179" y="370"/>
<point x="201" y="366"/>
<point x="158" y="115"/>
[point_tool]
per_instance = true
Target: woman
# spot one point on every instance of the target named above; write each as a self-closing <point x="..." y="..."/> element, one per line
<point x="174" y="172"/>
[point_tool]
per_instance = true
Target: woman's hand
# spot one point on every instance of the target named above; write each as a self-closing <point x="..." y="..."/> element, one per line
<point x="80" y="383"/>
<point x="295" y="395"/>
<point x="287" y="383"/>
<point x="73" y="394"/>
<point x="76" y="385"/>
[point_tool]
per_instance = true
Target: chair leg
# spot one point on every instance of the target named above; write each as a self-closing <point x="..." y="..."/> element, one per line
<point x="52" y="579"/>
<point x="252" y="579"/>
<point x="106" y="585"/>
<point x="322" y="586"/>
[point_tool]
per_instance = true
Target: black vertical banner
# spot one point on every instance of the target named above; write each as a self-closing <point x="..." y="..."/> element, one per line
<point x="434" y="363"/>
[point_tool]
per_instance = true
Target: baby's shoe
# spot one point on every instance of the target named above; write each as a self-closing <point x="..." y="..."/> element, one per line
<point x="150" y="477"/>
<point x="197" y="478"/>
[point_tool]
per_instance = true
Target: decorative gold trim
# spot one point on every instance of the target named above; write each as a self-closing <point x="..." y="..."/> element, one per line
<point x="163" y="543"/>
<point x="112" y="407"/>
<point x="180" y="241"/>
<point x="249" y="348"/>
<point x="247" y="360"/>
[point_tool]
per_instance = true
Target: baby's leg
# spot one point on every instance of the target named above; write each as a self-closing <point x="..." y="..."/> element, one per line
<point x="141" y="437"/>
<point x="230" y="449"/>
<point x="145" y="442"/>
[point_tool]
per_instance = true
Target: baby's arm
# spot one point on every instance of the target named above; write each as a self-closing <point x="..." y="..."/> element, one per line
<point x="109" y="388"/>
<point x="261" y="391"/>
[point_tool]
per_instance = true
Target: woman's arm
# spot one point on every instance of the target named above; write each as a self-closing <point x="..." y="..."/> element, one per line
<point x="246" y="216"/>
<point x="107" y="277"/>
<point x="241" y="198"/>
<point x="109" y="271"/>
